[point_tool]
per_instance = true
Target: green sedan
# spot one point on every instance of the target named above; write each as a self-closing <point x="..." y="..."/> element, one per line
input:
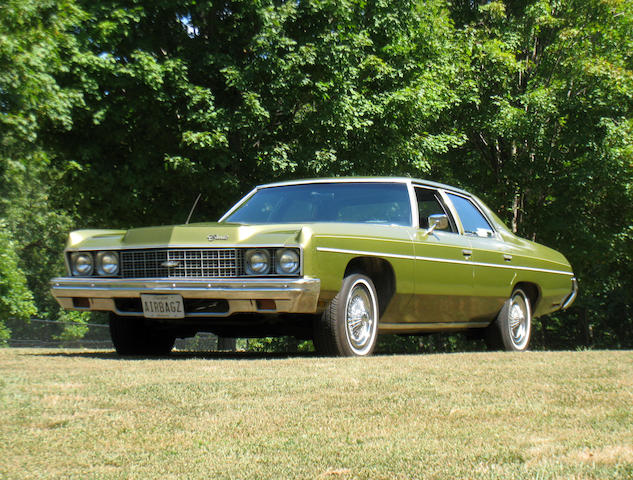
<point x="337" y="260"/>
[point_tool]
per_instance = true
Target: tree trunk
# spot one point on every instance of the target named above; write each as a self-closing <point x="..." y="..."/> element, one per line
<point x="517" y="207"/>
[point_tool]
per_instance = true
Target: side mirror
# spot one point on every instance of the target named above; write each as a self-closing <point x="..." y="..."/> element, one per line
<point x="438" y="221"/>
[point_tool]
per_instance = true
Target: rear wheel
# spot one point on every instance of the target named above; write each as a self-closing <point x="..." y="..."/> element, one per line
<point x="512" y="329"/>
<point x="134" y="336"/>
<point x="349" y="325"/>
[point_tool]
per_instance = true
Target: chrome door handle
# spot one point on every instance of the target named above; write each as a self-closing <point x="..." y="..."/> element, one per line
<point x="467" y="253"/>
<point x="507" y="258"/>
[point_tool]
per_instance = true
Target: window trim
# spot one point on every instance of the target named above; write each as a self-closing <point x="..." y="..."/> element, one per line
<point x="448" y="210"/>
<point x="495" y="232"/>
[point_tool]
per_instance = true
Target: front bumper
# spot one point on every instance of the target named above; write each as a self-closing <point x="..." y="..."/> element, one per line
<point x="242" y="295"/>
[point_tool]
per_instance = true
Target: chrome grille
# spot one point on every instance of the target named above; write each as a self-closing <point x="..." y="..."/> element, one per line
<point x="181" y="263"/>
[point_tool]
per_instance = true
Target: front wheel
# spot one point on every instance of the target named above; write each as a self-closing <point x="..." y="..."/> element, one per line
<point x="512" y="329"/>
<point x="349" y="325"/>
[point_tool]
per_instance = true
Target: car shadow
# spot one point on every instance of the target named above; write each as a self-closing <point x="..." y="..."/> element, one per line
<point x="176" y="355"/>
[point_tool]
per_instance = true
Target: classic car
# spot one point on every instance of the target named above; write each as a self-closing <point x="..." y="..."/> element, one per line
<point x="337" y="260"/>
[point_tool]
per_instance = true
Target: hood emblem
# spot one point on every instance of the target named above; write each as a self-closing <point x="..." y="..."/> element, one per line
<point x="170" y="264"/>
<point x="214" y="237"/>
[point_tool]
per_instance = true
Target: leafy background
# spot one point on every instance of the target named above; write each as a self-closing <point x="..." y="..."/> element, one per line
<point x="117" y="113"/>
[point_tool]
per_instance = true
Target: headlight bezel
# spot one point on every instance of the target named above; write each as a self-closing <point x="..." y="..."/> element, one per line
<point x="248" y="263"/>
<point x="279" y="254"/>
<point x="274" y="256"/>
<point x="74" y="258"/>
<point x="100" y="266"/>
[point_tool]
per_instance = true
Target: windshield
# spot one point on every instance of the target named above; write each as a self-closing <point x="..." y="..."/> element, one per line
<point x="380" y="203"/>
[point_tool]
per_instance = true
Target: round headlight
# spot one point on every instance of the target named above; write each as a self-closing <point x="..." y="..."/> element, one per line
<point x="287" y="261"/>
<point x="81" y="264"/>
<point x="257" y="261"/>
<point x="107" y="263"/>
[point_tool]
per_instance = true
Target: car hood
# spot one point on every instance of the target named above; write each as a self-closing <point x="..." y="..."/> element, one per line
<point x="191" y="235"/>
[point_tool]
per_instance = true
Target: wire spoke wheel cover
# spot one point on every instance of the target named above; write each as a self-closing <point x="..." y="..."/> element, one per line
<point x="349" y="325"/>
<point x="519" y="320"/>
<point x="360" y="318"/>
<point x="512" y="329"/>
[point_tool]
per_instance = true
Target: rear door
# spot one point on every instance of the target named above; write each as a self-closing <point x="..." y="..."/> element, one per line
<point x="491" y="258"/>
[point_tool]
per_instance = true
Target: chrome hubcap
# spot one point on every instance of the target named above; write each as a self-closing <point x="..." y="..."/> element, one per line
<point x="519" y="320"/>
<point x="359" y="319"/>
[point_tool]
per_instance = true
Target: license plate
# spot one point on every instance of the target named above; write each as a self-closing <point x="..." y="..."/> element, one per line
<point x="163" y="306"/>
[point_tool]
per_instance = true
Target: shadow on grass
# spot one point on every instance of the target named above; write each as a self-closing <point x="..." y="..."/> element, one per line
<point x="176" y="355"/>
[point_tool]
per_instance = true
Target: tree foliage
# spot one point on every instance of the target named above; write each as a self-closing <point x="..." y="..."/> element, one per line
<point x="292" y="89"/>
<point x="36" y="44"/>
<point x="109" y="107"/>
<point x="16" y="300"/>
<point x="550" y="142"/>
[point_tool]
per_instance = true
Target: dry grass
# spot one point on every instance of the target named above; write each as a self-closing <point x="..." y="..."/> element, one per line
<point x="536" y="415"/>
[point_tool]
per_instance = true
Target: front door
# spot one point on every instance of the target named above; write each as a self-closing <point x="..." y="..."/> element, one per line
<point x="443" y="267"/>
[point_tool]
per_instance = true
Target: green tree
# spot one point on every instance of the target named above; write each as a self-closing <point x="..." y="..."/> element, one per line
<point x="16" y="300"/>
<point x="221" y="96"/>
<point x="550" y="143"/>
<point x="35" y="47"/>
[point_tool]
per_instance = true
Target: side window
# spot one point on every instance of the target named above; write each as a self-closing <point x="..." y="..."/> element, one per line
<point x="473" y="221"/>
<point x="430" y="204"/>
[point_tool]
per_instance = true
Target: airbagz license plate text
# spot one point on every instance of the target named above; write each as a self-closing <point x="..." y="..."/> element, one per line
<point x="163" y="306"/>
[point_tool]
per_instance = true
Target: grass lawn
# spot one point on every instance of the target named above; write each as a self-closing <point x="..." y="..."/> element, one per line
<point x="89" y="414"/>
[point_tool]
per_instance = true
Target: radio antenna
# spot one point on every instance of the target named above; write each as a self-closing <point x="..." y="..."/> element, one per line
<point x="193" y="208"/>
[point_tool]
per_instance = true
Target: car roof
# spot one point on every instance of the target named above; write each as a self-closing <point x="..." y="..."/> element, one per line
<point x="405" y="180"/>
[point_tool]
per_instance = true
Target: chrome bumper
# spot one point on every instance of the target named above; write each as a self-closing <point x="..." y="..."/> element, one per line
<point x="572" y="296"/>
<point x="290" y="295"/>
